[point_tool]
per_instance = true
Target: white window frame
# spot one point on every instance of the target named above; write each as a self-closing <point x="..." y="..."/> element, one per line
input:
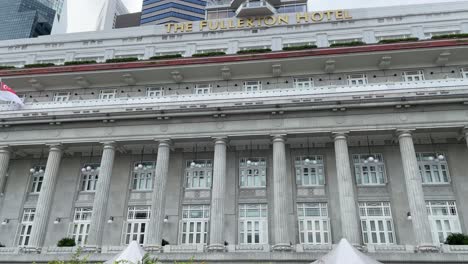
<point x="142" y="179"/>
<point x="61" y="97"/>
<point x="310" y="170"/>
<point x="443" y="218"/>
<point x="200" y="175"/>
<point x="107" y="94"/>
<point x="136" y="225"/>
<point x="377" y="223"/>
<point x="37" y="178"/>
<point x="314" y="223"/>
<point x="303" y="82"/>
<point x="464" y="73"/>
<point x="413" y="76"/>
<point x="154" y="92"/>
<point x="202" y="89"/>
<point x="89" y="178"/>
<point x="25" y="227"/>
<point x="253" y="224"/>
<point x="252" y="172"/>
<point x="194" y="224"/>
<point x="357" y="79"/>
<point x="79" y="228"/>
<point x="369" y="172"/>
<point x="252" y="86"/>
<point x="430" y="170"/>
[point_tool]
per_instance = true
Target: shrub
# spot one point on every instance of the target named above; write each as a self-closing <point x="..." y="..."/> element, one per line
<point x="66" y="242"/>
<point x="7" y="67"/>
<point x="79" y="62"/>
<point x="396" y="40"/>
<point x="39" y="65"/>
<point x="121" y="60"/>
<point x="457" y="239"/>
<point x="348" y="44"/>
<point x="209" y="54"/>
<point x="451" y="36"/>
<point x="302" y="47"/>
<point x="168" y="56"/>
<point x="253" y="51"/>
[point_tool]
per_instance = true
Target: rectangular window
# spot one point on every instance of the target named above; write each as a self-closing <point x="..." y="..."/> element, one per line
<point x="253" y="224"/>
<point x="252" y="172"/>
<point x="107" y="94"/>
<point x="37" y="178"/>
<point x="314" y="224"/>
<point x="89" y="177"/>
<point x="198" y="174"/>
<point x="376" y="223"/>
<point x="143" y="176"/>
<point x="252" y="86"/>
<point x="433" y="168"/>
<point x="309" y="170"/>
<point x="303" y="83"/>
<point x="194" y="224"/>
<point x="443" y="218"/>
<point x="202" y="89"/>
<point x="413" y="76"/>
<point x="357" y="79"/>
<point x="80" y="225"/>
<point x="464" y="73"/>
<point x="369" y="169"/>
<point x="154" y="92"/>
<point x="137" y="223"/>
<point x="61" y="97"/>
<point x="26" y="226"/>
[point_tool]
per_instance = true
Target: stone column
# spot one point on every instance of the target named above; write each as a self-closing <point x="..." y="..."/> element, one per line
<point x="417" y="204"/>
<point x="350" y="228"/>
<point x="466" y="136"/>
<point x="218" y="195"/>
<point x="280" y="190"/>
<point x="158" y="198"/>
<point x="44" y="201"/>
<point x="4" y="161"/>
<point x="101" y="196"/>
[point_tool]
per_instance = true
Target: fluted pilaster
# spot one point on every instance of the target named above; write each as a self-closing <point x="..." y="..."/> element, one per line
<point x="101" y="195"/>
<point x="4" y="161"/>
<point x="158" y="197"/>
<point x="218" y="195"/>
<point x="280" y="199"/>
<point x="44" y="202"/>
<point x="417" y="204"/>
<point x="348" y="208"/>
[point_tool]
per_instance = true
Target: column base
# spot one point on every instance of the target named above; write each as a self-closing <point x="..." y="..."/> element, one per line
<point x="216" y="248"/>
<point x="282" y="247"/>
<point x="153" y="248"/>
<point x="424" y="248"/>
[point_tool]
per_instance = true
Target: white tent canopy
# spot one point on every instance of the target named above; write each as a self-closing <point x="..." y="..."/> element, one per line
<point x="132" y="254"/>
<point x="345" y="253"/>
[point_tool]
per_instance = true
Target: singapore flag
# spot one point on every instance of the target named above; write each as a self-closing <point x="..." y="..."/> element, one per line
<point x="7" y="94"/>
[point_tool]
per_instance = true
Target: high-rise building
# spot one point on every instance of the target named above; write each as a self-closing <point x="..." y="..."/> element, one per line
<point x="107" y="17"/>
<point x="57" y="5"/>
<point x="25" y="19"/>
<point x="172" y="11"/>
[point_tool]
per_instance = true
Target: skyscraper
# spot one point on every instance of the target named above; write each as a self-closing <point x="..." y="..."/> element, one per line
<point x="163" y="11"/>
<point x="25" y="19"/>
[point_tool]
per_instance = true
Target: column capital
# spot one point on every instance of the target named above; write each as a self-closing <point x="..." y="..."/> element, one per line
<point x="109" y="144"/>
<point x="404" y="132"/>
<point x="5" y="149"/>
<point x="340" y="135"/>
<point x="55" y="147"/>
<point x="166" y="142"/>
<point x="278" y="137"/>
<point x="220" y="140"/>
<point x="465" y="130"/>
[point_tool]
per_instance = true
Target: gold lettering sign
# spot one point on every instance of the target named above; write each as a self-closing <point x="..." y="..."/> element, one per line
<point x="268" y="21"/>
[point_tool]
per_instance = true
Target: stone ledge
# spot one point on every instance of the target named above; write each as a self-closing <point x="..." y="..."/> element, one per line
<point x="454" y="248"/>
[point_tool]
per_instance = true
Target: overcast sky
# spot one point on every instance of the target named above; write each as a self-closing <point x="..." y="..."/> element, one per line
<point x="82" y="13"/>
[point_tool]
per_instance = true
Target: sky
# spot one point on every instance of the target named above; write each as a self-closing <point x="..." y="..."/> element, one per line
<point x="82" y="12"/>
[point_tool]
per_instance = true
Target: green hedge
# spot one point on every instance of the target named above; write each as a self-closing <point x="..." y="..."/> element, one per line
<point x="66" y="242"/>
<point x="168" y="56"/>
<point x="80" y="62"/>
<point x="121" y="60"/>
<point x="39" y="65"/>
<point x="387" y="41"/>
<point x="253" y="51"/>
<point x="348" y="44"/>
<point x="7" y="67"/>
<point x="457" y="239"/>
<point x="450" y="36"/>
<point x="302" y="47"/>
<point x="209" y="54"/>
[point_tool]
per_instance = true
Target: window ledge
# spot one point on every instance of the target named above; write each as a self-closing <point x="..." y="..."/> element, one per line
<point x="436" y="184"/>
<point x="371" y="185"/>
